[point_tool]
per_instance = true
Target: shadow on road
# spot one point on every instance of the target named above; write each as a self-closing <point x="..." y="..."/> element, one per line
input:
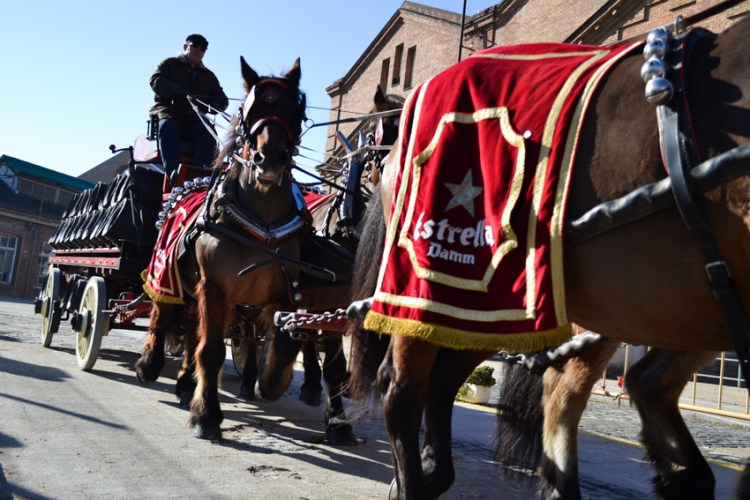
<point x="64" y="412"/>
<point x="9" y="491"/>
<point x="38" y="372"/>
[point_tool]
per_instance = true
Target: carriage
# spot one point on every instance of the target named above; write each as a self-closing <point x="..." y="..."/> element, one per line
<point x="107" y="236"/>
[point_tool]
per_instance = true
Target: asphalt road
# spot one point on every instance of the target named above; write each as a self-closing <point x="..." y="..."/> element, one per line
<point x="66" y="434"/>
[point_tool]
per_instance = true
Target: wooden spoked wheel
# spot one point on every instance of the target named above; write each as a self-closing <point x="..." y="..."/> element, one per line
<point x="91" y="323"/>
<point x="50" y="296"/>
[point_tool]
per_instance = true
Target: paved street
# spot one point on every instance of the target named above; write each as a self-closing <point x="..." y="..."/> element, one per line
<point x="70" y="434"/>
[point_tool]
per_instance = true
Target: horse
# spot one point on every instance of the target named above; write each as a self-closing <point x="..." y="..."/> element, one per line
<point x="252" y="212"/>
<point x="641" y="283"/>
<point x="275" y="364"/>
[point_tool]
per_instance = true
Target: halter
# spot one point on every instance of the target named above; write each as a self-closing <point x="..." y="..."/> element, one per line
<point x="266" y="90"/>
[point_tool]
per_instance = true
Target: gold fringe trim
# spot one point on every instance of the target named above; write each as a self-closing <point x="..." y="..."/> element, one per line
<point x="157" y="297"/>
<point x="464" y="340"/>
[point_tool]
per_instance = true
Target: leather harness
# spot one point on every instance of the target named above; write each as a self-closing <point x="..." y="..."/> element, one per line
<point x="679" y="153"/>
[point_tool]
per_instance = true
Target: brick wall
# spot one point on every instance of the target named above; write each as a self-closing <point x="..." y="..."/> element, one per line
<point x="31" y="238"/>
<point x="662" y="12"/>
<point x="436" y="42"/>
<point x="435" y="34"/>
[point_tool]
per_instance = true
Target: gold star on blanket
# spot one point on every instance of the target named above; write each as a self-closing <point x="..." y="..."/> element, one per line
<point x="463" y="194"/>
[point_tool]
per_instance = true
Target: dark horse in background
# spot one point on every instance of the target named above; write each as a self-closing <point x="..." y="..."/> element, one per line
<point x="258" y="186"/>
<point x="276" y="363"/>
<point x="642" y="283"/>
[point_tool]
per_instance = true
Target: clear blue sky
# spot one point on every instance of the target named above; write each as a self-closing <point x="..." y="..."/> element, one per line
<point x="74" y="74"/>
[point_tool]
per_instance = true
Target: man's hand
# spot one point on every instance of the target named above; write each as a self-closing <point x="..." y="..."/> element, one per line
<point x="180" y="97"/>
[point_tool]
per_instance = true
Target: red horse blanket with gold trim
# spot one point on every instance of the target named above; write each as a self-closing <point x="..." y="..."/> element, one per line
<point x="161" y="280"/>
<point x="473" y="252"/>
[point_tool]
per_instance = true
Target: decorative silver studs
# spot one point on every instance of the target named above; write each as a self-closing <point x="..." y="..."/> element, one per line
<point x="659" y="91"/>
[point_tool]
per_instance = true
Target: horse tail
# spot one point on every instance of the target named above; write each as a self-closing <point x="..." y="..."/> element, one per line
<point x="520" y="418"/>
<point x="368" y="348"/>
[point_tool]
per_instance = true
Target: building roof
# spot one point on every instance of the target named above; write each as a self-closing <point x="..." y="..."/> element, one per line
<point x="29" y="169"/>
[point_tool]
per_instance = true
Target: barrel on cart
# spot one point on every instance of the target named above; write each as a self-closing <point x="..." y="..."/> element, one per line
<point x="100" y="249"/>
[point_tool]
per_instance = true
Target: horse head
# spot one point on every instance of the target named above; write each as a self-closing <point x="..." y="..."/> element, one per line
<point x="270" y="122"/>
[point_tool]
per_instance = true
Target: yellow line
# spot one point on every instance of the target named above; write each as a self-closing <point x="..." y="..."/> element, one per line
<point x="486" y="409"/>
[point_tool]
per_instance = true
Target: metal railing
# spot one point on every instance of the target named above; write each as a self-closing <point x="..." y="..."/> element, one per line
<point x="716" y="389"/>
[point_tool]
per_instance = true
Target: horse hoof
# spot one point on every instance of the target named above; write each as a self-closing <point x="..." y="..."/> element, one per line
<point x="340" y="433"/>
<point x="310" y="397"/>
<point x="207" y="431"/>
<point x="247" y="393"/>
<point x="185" y="399"/>
<point x="139" y="378"/>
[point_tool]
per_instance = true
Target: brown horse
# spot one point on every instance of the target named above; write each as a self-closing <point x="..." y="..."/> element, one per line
<point x="254" y="213"/>
<point x="276" y="363"/>
<point x="642" y="283"/>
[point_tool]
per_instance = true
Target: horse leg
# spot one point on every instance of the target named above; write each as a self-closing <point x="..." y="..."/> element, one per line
<point x="205" y="411"/>
<point x="311" y="388"/>
<point x="250" y="372"/>
<point x="338" y="429"/>
<point x="448" y="374"/>
<point x="185" y="387"/>
<point x="654" y="384"/>
<point x="403" y="404"/>
<point x="276" y="365"/>
<point x="150" y="364"/>
<point x="566" y="391"/>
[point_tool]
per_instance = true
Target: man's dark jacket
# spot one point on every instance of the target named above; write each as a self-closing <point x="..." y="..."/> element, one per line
<point x="170" y="80"/>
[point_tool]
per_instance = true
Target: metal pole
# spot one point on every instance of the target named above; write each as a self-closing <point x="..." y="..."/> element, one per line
<point x="461" y="36"/>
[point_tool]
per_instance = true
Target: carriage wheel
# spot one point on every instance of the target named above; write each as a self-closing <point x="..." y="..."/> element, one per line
<point x="50" y="306"/>
<point x="239" y="351"/>
<point x="91" y="323"/>
<point x="174" y="347"/>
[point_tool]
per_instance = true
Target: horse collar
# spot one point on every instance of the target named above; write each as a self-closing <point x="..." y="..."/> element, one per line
<point x="268" y="233"/>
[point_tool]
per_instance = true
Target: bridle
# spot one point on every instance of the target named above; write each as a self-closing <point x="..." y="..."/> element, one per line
<point x="267" y="91"/>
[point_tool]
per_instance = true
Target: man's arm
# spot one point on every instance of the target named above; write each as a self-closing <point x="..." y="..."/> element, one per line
<point x="162" y="84"/>
<point x="219" y="100"/>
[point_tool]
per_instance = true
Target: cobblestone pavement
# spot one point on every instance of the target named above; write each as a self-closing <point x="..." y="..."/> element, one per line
<point x="722" y="440"/>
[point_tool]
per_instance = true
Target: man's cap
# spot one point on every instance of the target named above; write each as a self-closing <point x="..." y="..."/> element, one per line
<point x="197" y="40"/>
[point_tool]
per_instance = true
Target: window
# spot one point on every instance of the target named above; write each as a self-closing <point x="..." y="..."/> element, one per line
<point x="384" y="74"/>
<point x="397" y="64"/>
<point x="43" y="261"/>
<point x="8" y="176"/>
<point x="409" y="71"/>
<point x="44" y="192"/>
<point x="8" y="244"/>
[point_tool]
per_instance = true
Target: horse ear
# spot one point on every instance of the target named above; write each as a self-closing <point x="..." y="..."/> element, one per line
<point x="249" y="76"/>
<point x="379" y="98"/>
<point x="295" y="74"/>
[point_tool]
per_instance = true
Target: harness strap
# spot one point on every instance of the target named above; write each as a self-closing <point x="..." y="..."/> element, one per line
<point x="312" y="269"/>
<point x="677" y="152"/>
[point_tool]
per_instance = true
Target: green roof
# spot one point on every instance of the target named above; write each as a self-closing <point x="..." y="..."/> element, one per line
<point x="24" y="167"/>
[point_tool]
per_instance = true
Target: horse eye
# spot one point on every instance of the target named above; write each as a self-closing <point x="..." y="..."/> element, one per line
<point x="395" y="121"/>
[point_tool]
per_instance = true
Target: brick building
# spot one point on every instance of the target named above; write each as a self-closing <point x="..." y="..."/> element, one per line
<point x="32" y="201"/>
<point x="420" y="41"/>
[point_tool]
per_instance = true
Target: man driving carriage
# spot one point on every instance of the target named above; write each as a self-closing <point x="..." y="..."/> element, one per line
<point x="174" y="79"/>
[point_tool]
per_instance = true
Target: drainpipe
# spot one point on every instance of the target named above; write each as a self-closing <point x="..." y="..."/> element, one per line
<point x="461" y="36"/>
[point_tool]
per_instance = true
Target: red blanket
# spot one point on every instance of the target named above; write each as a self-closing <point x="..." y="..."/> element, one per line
<point x="473" y="256"/>
<point x="162" y="278"/>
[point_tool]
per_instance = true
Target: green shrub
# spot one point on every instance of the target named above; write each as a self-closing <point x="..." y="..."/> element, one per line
<point x="482" y="376"/>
